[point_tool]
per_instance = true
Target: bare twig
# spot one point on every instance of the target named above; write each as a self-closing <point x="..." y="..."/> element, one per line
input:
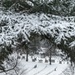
<point x="3" y="70"/>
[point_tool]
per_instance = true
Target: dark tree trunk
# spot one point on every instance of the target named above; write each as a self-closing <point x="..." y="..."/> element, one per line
<point x="50" y="57"/>
<point x="27" y="55"/>
<point x="71" y="63"/>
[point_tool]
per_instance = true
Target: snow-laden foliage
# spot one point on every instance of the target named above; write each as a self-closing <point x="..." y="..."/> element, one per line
<point x="12" y="24"/>
<point x="59" y="30"/>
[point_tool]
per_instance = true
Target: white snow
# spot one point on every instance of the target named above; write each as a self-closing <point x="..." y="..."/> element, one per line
<point x="42" y="68"/>
<point x="38" y="23"/>
<point x="58" y="27"/>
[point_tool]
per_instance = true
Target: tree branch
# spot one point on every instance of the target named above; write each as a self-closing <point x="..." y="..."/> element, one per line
<point x="10" y="68"/>
<point x="33" y="2"/>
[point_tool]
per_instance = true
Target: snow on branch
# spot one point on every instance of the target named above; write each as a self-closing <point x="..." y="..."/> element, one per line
<point x="37" y="23"/>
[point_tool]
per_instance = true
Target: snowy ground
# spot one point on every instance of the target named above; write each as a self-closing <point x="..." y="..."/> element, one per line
<point x="40" y="68"/>
<point x="43" y="69"/>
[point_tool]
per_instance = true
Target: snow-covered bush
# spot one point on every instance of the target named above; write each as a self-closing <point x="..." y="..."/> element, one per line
<point x="56" y="29"/>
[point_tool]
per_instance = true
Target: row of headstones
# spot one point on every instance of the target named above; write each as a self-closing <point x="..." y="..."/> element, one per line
<point x="53" y="61"/>
<point x="40" y="60"/>
<point x="33" y="59"/>
<point x="19" y="57"/>
<point x="46" y="61"/>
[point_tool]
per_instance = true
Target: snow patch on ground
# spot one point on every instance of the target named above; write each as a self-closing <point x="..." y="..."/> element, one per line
<point x="43" y="68"/>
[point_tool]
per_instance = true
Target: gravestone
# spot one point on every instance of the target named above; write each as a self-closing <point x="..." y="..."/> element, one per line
<point x="40" y="61"/>
<point x="60" y="62"/>
<point x="34" y="59"/>
<point x="23" y="57"/>
<point x="53" y="61"/>
<point x="46" y="61"/>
